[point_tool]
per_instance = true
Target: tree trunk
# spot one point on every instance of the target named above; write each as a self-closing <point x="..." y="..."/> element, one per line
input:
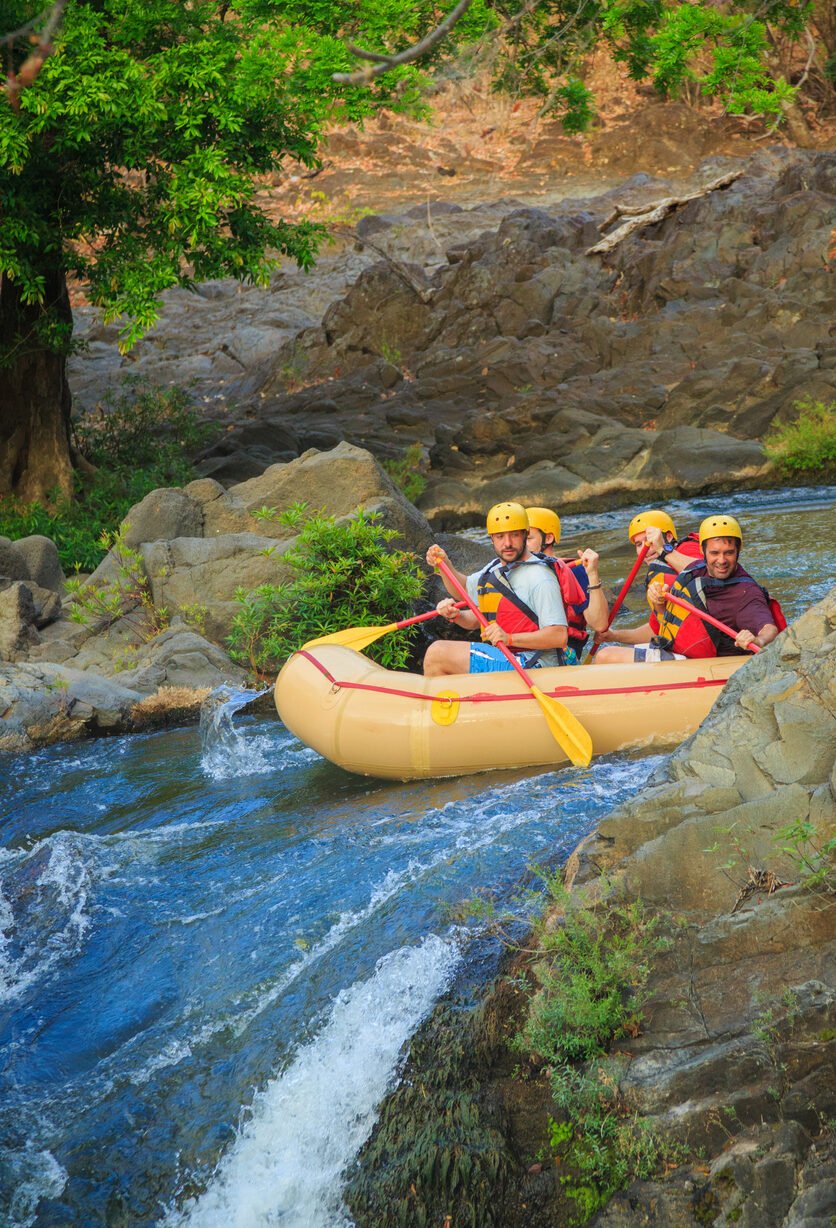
<point x="34" y="393"/>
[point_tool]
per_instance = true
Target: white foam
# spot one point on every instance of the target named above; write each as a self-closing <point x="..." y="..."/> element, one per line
<point x="44" y="922"/>
<point x="226" y="753"/>
<point x="31" y="1175"/>
<point x="286" y="1163"/>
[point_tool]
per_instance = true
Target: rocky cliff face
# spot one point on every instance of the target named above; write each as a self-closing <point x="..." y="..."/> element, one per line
<point x="736" y="1057"/>
<point x="525" y="363"/>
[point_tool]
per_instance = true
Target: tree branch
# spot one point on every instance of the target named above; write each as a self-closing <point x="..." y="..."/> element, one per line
<point x="31" y="66"/>
<point x="382" y="63"/>
<point x="647" y="215"/>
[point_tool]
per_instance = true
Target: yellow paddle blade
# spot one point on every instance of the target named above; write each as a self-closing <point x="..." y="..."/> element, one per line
<point x="566" y="729"/>
<point x="357" y="638"/>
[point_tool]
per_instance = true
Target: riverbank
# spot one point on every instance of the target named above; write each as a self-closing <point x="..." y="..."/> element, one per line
<point x="733" y="1063"/>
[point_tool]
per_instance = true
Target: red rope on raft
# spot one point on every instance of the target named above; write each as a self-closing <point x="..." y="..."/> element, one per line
<point x="484" y="697"/>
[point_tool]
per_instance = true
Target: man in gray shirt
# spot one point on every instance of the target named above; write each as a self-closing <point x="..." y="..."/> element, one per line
<point x="519" y="595"/>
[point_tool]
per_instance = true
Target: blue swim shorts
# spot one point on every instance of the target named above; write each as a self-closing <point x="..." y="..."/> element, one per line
<point x="485" y="659"/>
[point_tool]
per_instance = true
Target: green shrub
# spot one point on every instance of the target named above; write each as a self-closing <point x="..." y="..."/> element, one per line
<point x="807" y="444"/>
<point x="138" y="442"/>
<point x="346" y="576"/>
<point x="407" y="471"/>
<point x="592" y="972"/>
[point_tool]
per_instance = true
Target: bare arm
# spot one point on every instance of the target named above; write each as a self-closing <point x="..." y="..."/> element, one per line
<point x="465" y="619"/>
<point x="631" y="635"/>
<point x="545" y="637"/>
<point x="765" y="636"/>
<point x="597" y="612"/>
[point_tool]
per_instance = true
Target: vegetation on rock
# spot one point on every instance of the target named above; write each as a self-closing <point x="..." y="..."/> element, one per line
<point x="347" y="575"/>
<point x="807" y="444"/>
<point x="592" y="967"/>
<point x="135" y="442"/>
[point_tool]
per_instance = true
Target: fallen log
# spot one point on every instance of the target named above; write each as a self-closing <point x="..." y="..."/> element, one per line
<point x="647" y="215"/>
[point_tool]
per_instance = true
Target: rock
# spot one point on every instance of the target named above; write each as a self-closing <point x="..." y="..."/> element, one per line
<point x="336" y="482"/>
<point x="44" y="703"/>
<point x="17" y="621"/>
<point x="13" y="565"/>
<point x="40" y="559"/>
<point x="162" y="515"/>
<point x="202" y="575"/>
<point x="691" y="457"/>
<point x="180" y="657"/>
<point x="758" y="759"/>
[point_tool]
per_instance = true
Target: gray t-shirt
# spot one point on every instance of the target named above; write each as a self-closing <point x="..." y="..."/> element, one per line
<point x="538" y="587"/>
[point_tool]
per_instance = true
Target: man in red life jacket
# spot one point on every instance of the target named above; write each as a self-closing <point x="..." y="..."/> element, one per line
<point x="665" y="558"/>
<point x="719" y="586"/>
<point x="518" y="594"/>
<point x="580" y="586"/>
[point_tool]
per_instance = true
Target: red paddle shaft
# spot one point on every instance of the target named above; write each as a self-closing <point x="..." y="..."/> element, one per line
<point x="707" y="618"/>
<point x="619" y="601"/>
<point x="422" y="618"/>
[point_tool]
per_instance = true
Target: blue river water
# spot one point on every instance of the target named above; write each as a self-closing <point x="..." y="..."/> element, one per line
<point x="214" y="945"/>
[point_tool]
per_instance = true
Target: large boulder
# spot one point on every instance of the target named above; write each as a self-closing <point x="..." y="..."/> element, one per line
<point x="762" y="759"/>
<point x="335" y="482"/>
<point x="161" y="515"/>
<point x="39" y="556"/>
<point x="180" y="657"/>
<point x="43" y="703"/>
<point x="204" y="574"/>
<point x="17" y="621"/>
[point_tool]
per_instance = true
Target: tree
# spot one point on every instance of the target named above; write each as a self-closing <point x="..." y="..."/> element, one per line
<point x="132" y="161"/>
<point x="133" y="158"/>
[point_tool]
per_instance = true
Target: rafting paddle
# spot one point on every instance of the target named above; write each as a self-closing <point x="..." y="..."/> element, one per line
<point x="359" y="638"/>
<point x="565" y="728"/>
<point x="707" y="618"/>
<point x="616" y="605"/>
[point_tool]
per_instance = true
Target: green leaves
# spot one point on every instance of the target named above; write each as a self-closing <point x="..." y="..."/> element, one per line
<point x="347" y="575"/>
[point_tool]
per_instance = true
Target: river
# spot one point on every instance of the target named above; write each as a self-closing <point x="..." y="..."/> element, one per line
<point x="214" y="945"/>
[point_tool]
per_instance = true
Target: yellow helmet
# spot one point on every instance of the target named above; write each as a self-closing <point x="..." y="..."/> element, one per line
<point x="720" y="526"/>
<point x="544" y="519"/>
<point x="653" y="519"/>
<point x="506" y="518"/>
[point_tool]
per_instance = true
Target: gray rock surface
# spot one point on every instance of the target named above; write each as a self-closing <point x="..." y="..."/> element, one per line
<point x="480" y="333"/>
<point x="40" y="559"/>
<point x="735" y="1058"/>
<point x="43" y="703"/>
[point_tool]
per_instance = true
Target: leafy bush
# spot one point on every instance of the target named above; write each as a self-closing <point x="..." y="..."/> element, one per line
<point x="138" y="442"/>
<point x="807" y="444"/>
<point x="407" y="471"/>
<point x="151" y="431"/>
<point x="346" y="576"/>
<point x="592" y="972"/>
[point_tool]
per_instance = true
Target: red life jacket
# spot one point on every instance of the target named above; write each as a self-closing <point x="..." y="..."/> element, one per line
<point x="574" y="596"/>
<point x="685" y="633"/>
<point x="498" y="601"/>
<point x="659" y="569"/>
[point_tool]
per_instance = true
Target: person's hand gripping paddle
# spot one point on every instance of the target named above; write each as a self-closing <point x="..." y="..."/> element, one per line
<point x="565" y="728"/>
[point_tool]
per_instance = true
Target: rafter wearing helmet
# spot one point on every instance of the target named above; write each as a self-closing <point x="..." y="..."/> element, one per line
<point x="517" y="593"/>
<point x="580" y="584"/>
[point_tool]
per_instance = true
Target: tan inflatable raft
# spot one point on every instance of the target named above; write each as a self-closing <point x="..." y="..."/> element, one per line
<point x="403" y="726"/>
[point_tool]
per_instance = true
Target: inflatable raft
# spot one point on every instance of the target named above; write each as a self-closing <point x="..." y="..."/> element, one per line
<point x="400" y="726"/>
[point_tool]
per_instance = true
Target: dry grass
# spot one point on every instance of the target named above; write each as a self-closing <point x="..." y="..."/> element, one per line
<point x="169" y="705"/>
